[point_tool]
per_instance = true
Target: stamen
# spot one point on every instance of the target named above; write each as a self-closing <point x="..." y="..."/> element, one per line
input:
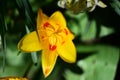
<point x="52" y="47"/>
<point x="46" y="24"/>
<point x="66" y="32"/>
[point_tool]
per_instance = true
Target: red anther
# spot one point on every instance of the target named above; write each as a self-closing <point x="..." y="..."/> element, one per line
<point x="46" y="24"/>
<point x="66" y="32"/>
<point x="52" y="47"/>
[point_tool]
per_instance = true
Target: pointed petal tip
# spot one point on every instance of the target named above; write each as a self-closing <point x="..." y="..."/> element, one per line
<point x="68" y="52"/>
<point x="58" y="18"/>
<point x="46" y="72"/>
<point x="29" y="43"/>
<point x="48" y="61"/>
<point x="72" y="60"/>
<point x="40" y="10"/>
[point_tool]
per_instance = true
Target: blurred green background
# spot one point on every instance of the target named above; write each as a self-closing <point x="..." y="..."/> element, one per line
<point x="97" y="36"/>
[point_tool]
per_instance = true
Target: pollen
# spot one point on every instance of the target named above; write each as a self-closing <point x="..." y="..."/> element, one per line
<point x="52" y="47"/>
<point x="46" y="24"/>
<point x="66" y="32"/>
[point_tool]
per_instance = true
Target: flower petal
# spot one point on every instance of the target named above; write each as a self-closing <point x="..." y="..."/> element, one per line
<point x="67" y="51"/>
<point x="48" y="61"/>
<point x="58" y="21"/>
<point x="29" y="43"/>
<point x="58" y="18"/>
<point x="41" y="18"/>
<point x="69" y="34"/>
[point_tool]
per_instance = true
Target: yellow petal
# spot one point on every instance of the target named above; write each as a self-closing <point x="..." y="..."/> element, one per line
<point x="13" y="78"/>
<point x="29" y="43"/>
<point x="48" y="61"/>
<point x="67" y="51"/>
<point x="41" y="18"/>
<point x="70" y="35"/>
<point x="58" y="18"/>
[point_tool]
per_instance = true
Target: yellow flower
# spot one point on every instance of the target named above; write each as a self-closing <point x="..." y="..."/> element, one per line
<point x="53" y="38"/>
<point x="13" y="78"/>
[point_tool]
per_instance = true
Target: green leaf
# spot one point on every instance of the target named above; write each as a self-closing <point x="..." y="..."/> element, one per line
<point x="86" y="48"/>
<point x="100" y="66"/>
<point x="116" y="5"/>
<point x="3" y="28"/>
<point x="105" y="31"/>
<point x="89" y="30"/>
<point x="27" y="9"/>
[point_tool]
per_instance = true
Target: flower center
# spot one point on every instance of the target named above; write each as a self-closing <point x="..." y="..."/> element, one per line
<point x="52" y="47"/>
<point x="50" y="35"/>
<point x="54" y="34"/>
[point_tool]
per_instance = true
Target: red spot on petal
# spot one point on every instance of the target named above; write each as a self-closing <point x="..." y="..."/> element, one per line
<point x="52" y="47"/>
<point x="47" y="71"/>
<point x="46" y="24"/>
<point x="66" y="32"/>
